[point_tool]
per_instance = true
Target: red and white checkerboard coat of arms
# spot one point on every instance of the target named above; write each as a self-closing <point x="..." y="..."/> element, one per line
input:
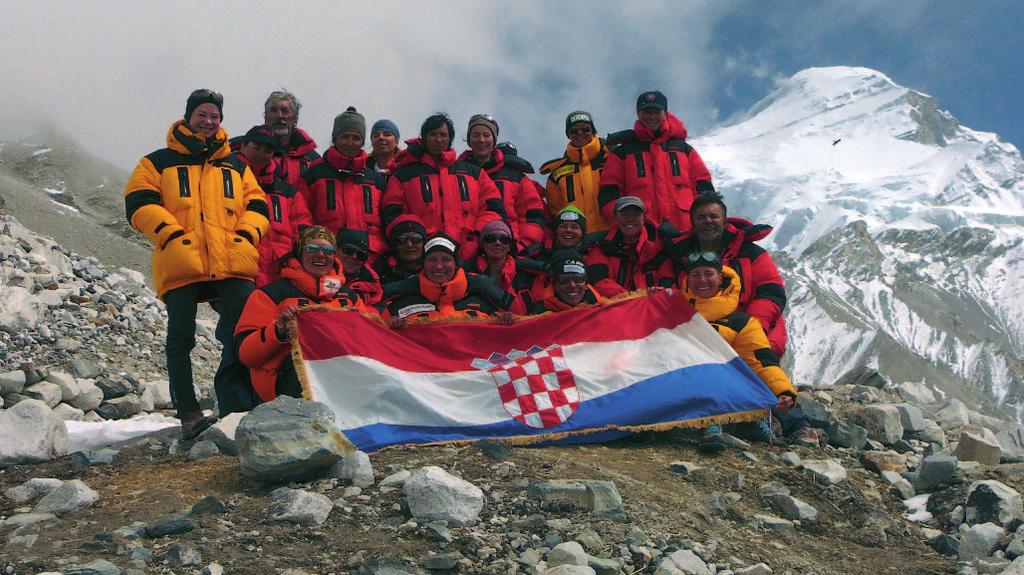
<point x="538" y="388"/>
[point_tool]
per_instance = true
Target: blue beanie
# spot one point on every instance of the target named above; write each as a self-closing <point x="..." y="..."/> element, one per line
<point x="385" y="125"/>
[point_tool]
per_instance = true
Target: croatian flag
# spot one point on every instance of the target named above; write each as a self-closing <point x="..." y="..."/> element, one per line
<point x="643" y="363"/>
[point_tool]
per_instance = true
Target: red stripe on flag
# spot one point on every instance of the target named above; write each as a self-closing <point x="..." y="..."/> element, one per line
<point x="441" y="347"/>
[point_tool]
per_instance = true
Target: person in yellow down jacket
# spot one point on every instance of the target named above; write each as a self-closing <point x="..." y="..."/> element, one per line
<point x="573" y="179"/>
<point x="714" y="290"/>
<point x="205" y="213"/>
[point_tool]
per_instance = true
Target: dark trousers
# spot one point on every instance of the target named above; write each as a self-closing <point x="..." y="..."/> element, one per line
<point x="791" y="420"/>
<point x="231" y="382"/>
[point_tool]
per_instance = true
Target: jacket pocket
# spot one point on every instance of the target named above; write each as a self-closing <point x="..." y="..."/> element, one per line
<point x="242" y="257"/>
<point x="180" y="259"/>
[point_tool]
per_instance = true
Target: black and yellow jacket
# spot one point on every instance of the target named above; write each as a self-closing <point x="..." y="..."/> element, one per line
<point x="201" y="207"/>
<point x="574" y="178"/>
<point x="742" y="332"/>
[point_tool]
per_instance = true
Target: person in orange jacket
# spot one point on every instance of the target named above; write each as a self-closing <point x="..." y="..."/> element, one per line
<point x="311" y="276"/>
<point x="575" y="178"/>
<point x="654" y="162"/>
<point x="353" y="251"/>
<point x="205" y="213"/>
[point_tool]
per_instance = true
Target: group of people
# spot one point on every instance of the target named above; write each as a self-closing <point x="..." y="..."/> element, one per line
<point x="262" y="225"/>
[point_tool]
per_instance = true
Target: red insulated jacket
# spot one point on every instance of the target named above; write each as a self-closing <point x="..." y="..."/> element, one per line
<point x="763" y="293"/>
<point x="342" y="193"/>
<point x="366" y="284"/>
<point x="658" y="167"/>
<point x="521" y="196"/>
<point x="267" y="357"/>
<point x="299" y="155"/>
<point x="448" y="195"/>
<point x="288" y="217"/>
<point x="506" y="282"/>
<point x="613" y="267"/>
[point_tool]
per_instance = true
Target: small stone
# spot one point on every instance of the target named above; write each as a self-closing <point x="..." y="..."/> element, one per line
<point x="68" y="413"/>
<point x="112" y="388"/>
<point x="434" y="494"/>
<point x="441" y="561"/>
<point x="993" y="501"/>
<point x="991" y="566"/>
<point x="570" y="570"/>
<point x="299" y="507"/>
<point x="89" y="396"/>
<point x="683" y="562"/>
<point x="98" y="567"/>
<point x="568" y="553"/>
<point x="104" y="456"/>
<point x="590" y="540"/>
<point x="397" y="478"/>
<point x="1016" y="547"/>
<point x="71" y="496"/>
<point x="183" y="555"/>
<point x="208" y="505"/>
<point x="68" y="384"/>
<point x="173" y="524"/>
<point x="12" y="382"/>
<point x="900" y="486"/>
<point x="981" y="446"/>
<point x="494" y="450"/>
<point x="121" y="407"/>
<point x="758" y="569"/>
<point x="792" y="508"/>
<point x="767" y="490"/>
<point x="827" y="471"/>
<point x="48" y="393"/>
<point x="791" y="458"/>
<point x="863" y="375"/>
<point x="773" y="523"/>
<point x="355" y="468"/>
<point x="945" y="544"/>
<point x="845" y="434"/>
<point x="202" y="450"/>
<point x="222" y="433"/>
<point x="213" y="569"/>
<point x="684" y="468"/>
<point x="879" y="461"/>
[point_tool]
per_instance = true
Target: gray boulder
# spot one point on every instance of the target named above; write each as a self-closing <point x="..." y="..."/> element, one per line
<point x="568" y="553"/>
<point x="979" y="541"/>
<point x="12" y="382"/>
<point x="31" y="433"/>
<point x="817" y="412"/>
<point x="32" y="489"/>
<point x="899" y="484"/>
<point x="979" y="445"/>
<point x="846" y="434"/>
<point x="991" y="501"/>
<point x="68" y="384"/>
<point x="98" y="567"/>
<point x="46" y="392"/>
<point x="120" y="407"/>
<point x="911" y="417"/>
<point x="792" y="508"/>
<point x="160" y="392"/>
<point x="289" y="439"/>
<point x="882" y="422"/>
<point x="223" y="433"/>
<point x="600" y="497"/>
<point x="953" y="415"/>
<point x="936" y="470"/>
<point x="570" y="570"/>
<point x="89" y="396"/>
<point x="826" y="471"/>
<point x="436" y="495"/>
<point x="71" y="496"/>
<point x="68" y="413"/>
<point x="916" y="393"/>
<point x="299" y="507"/>
<point x="863" y="375"/>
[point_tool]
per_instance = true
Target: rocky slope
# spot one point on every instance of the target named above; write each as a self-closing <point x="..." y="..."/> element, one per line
<point x="900" y="232"/>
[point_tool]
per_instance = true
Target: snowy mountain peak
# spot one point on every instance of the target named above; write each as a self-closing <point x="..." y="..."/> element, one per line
<point x="900" y="231"/>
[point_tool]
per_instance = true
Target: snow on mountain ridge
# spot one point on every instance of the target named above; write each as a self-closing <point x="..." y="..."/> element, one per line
<point x="899" y="231"/>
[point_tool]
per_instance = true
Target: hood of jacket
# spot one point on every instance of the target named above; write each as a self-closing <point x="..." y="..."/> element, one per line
<point x="183" y="140"/>
<point x="721" y="304"/>
<point x="325" y="287"/>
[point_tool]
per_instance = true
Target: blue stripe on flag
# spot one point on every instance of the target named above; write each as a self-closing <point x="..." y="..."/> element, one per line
<point x="687" y="393"/>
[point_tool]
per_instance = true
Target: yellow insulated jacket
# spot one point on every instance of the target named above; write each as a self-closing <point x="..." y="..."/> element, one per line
<point x="201" y="207"/>
<point x="743" y="333"/>
<point x="574" y="178"/>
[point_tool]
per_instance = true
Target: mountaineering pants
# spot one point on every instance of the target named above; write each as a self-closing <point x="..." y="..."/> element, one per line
<point x="231" y="382"/>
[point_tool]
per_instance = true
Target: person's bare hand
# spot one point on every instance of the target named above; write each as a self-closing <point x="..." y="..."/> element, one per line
<point x="397" y="322"/>
<point x="505" y="318"/>
<point x="786" y="402"/>
<point x="281" y="324"/>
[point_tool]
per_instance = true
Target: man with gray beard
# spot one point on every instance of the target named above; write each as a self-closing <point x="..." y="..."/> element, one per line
<point x="281" y="116"/>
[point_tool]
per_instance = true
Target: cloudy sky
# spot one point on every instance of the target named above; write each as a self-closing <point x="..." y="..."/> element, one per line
<point x="115" y="74"/>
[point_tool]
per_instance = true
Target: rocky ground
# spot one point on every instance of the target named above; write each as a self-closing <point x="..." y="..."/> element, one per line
<point x="904" y="481"/>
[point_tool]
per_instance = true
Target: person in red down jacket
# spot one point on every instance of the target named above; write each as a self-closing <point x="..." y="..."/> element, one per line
<point x="521" y="196"/>
<point x="448" y="195"/>
<point x="288" y="213"/>
<point x="281" y="115"/>
<point x="496" y="259"/>
<point x="654" y="163"/>
<point x="340" y="190"/>
<point x="631" y="257"/>
<point x="763" y="293"/>
<point x="353" y="251"/>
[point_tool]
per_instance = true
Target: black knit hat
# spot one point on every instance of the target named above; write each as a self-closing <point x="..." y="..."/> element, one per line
<point x="352" y="236"/>
<point x="204" y="96"/>
<point x="566" y="262"/>
<point x="579" y="116"/>
<point x="403" y="224"/>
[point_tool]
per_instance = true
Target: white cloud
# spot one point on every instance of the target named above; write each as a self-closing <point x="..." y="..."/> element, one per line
<point x="116" y="74"/>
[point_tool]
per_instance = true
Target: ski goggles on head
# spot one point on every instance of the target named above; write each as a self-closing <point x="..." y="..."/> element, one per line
<point x="207" y="94"/>
<point x="703" y="259"/>
<point x="486" y="117"/>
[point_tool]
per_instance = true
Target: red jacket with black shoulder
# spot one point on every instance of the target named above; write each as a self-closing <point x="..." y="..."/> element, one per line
<point x="521" y="196"/>
<point x="614" y="267"/>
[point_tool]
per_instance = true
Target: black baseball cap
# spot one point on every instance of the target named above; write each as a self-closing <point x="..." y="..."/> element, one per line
<point x="653" y="99"/>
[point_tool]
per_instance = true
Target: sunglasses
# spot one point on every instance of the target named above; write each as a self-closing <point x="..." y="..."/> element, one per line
<point x="205" y="93"/>
<point x="409" y="239"/>
<point x="497" y="239"/>
<point x="353" y="251"/>
<point x="696" y="258"/>
<point x="314" y="249"/>
<point x="581" y="130"/>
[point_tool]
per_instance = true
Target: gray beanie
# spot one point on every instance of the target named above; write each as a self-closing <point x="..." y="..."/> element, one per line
<point x="349" y="121"/>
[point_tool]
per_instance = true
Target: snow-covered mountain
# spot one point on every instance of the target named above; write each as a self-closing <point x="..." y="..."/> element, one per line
<point x="898" y="230"/>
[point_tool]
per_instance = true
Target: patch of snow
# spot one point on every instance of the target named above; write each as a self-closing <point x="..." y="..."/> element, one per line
<point x="917" y="509"/>
<point x="41" y="152"/>
<point x="83" y="435"/>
